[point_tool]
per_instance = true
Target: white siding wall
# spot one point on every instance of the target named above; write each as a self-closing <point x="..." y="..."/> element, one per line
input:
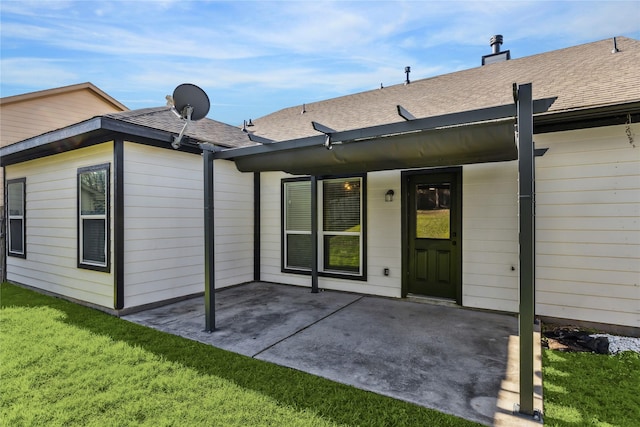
<point x="233" y="224"/>
<point x="588" y="226"/>
<point x="270" y="229"/>
<point x="164" y="231"/>
<point x="51" y="227"/>
<point x="490" y="236"/>
<point x="587" y="242"/>
<point x="163" y="224"/>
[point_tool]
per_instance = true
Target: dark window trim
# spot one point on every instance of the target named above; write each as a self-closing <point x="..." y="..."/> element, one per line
<point x="22" y="255"/>
<point x="107" y="267"/>
<point x="362" y="275"/>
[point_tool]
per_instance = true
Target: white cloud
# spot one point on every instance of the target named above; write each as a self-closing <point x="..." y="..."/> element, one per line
<point x="32" y="72"/>
<point x="248" y="49"/>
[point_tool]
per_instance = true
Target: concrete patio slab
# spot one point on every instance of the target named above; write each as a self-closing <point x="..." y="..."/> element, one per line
<point x="454" y="360"/>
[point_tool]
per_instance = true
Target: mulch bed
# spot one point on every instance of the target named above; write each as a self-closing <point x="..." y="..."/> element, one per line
<point x="574" y="339"/>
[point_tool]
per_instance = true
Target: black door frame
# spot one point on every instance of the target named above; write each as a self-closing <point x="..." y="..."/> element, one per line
<point x="405" y="175"/>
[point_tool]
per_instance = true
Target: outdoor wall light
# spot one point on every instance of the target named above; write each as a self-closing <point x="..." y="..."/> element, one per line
<point x="388" y="197"/>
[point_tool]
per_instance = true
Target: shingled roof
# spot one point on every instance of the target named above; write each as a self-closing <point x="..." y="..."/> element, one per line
<point x="201" y="131"/>
<point x="583" y="76"/>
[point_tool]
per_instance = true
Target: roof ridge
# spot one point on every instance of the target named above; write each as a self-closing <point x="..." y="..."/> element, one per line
<point x="138" y="112"/>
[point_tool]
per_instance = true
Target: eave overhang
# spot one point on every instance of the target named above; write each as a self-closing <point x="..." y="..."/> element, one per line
<point x="87" y="133"/>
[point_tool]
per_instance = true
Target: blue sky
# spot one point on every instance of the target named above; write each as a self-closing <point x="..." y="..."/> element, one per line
<point x="256" y="57"/>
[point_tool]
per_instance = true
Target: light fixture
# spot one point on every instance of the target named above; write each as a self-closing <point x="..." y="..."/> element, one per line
<point x="388" y="197"/>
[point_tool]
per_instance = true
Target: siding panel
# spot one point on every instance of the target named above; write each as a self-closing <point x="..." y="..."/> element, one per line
<point x="588" y="238"/>
<point x="51" y="227"/>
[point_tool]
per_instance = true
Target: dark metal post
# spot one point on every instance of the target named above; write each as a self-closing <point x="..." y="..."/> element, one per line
<point x="256" y="226"/>
<point x="209" y="247"/>
<point x="526" y="172"/>
<point x="314" y="234"/>
<point x="118" y="222"/>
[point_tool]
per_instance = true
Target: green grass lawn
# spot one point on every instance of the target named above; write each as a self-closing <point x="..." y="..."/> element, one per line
<point x="65" y="364"/>
<point x="588" y="389"/>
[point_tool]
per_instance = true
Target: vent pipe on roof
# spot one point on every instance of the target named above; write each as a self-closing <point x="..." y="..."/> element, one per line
<point x="495" y="42"/>
<point x="615" y="46"/>
<point x="497" y="55"/>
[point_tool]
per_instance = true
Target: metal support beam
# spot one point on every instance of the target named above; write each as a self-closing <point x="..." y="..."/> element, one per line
<point x="526" y="178"/>
<point x="314" y="234"/>
<point x="259" y="139"/>
<point x="209" y="241"/>
<point x="404" y="113"/>
<point x="373" y="132"/>
<point x="256" y="226"/>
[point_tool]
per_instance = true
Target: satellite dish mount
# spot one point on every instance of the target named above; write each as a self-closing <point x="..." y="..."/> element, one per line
<point x="190" y="103"/>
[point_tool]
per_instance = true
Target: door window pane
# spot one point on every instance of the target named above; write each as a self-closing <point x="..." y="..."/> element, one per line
<point x="433" y="211"/>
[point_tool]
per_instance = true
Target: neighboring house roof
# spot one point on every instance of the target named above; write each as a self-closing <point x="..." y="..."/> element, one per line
<point x="31" y="114"/>
<point x="64" y="89"/>
<point x="581" y="77"/>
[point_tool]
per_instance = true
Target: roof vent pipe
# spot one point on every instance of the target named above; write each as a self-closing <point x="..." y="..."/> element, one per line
<point x="495" y="42"/>
<point x="407" y="70"/>
<point x="497" y="55"/>
<point x="615" y="46"/>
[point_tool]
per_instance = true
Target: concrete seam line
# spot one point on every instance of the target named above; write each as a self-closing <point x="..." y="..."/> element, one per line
<point x="308" y="326"/>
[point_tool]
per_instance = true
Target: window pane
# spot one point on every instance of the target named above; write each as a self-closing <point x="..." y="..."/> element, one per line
<point x="433" y="211"/>
<point x="93" y="241"/>
<point x="93" y="185"/>
<point x="15" y="236"/>
<point x="299" y="250"/>
<point x="16" y="198"/>
<point x="342" y="253"/>
<point x="341" y="207"/>
<point x="298" y="205"/>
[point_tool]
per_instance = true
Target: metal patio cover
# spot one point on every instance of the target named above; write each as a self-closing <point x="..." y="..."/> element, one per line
<point x="476" y="136"/>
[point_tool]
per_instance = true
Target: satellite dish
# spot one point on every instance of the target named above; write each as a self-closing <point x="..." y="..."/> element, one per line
<point x="189" y="95"/>
<point x="190" y="103"/>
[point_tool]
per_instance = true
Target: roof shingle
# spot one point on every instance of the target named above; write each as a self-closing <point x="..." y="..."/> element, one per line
<point x="205" y="130"/>
<point x="587" y="75"/>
